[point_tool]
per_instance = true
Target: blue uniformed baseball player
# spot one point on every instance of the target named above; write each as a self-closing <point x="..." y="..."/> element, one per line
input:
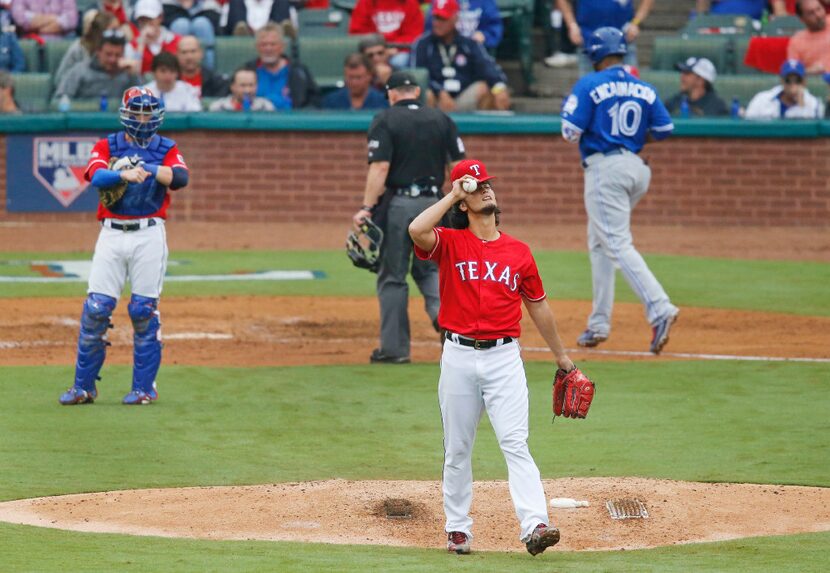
<point x="612" y="114"/>
<point x="133" y="170"/>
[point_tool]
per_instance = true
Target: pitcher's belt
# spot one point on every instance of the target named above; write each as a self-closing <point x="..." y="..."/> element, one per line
<point x="478" y="344"/>
<point x="129" y="225"/>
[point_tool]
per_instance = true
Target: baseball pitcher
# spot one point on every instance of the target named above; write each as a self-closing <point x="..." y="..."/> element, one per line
<point x="484" y="277"/>
<point x="133" y="171"/>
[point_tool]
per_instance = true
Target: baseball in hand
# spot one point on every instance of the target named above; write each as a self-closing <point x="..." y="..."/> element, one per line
<point x="469" y="185"/>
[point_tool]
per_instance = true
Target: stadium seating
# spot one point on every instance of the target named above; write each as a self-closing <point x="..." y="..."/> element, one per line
<point x="668" y="50"/>
<point x="323" y="22"/>
<point x="32" y="54"/>
<point x="324" y="57"/>
<point x="32" y="90"/>
<point x="728" y="86"/>
<point x="517" y="16"/>
<point x="709" y="24"/>
<point x="782" y="26"/>
<point x="234" y="51"/>
<point x="54" y="51"/>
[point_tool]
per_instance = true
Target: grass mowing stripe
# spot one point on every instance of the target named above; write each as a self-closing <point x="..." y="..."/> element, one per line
<point x="48" y="551"/>
<point x="777" y="286"/>
<point x="678" y="420"/>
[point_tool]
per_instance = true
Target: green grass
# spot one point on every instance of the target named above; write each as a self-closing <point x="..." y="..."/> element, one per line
<point x="775" y="286"/>
<point x="679" y="420"/>
<point x="45" y="551"/>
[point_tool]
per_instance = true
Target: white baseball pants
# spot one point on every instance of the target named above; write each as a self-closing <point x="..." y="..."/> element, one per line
<point x="472" y="381"/>
<point x="140" y="255"/>
<point x="614" y="184"/>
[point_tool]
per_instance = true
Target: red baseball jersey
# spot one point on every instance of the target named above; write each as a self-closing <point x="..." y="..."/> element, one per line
<point x="482" y="283"/>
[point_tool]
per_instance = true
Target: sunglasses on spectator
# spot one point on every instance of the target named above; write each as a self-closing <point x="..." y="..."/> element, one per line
<point x="114" y="34"/>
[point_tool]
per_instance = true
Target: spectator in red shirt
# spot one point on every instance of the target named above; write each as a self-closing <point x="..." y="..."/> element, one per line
<point x="811" y="47"/>
<point x="152" y="39"/>
<point x="787" y="7"/>
<point x="119" y="11"/>
<point x="399" y="21"/>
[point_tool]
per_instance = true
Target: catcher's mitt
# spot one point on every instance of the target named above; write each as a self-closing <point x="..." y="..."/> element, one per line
<point x="109" y="196"/>
<point x="572" y="394"/>
<point x="363" y="247"/>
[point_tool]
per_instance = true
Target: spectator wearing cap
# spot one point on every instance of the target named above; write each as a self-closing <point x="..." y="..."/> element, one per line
<point x="399" y="21"/>
<point x="48" y="19"/>
<point x="790" y="100"/>
<point x="198" y="18"/>
<point x="153" y="38"/>
<point x="812" y="46"/>
<point x="104" y="73"/>
<point x="246" y="17"/>
<point x="243" y="94"/>
<point x="752" y="8"/>
<point x="375" y="50"/>
<point x="462" y="75"/>
<point x="592" y="14"/>
<point x="166" y="85"/>
<point x="697" y="79"/>
<point x="358" y="93"/>
<point x="289" y="85"/>
<point x="206" y="82"/>
<point x="477" y="19"/>
<point x="7" y="103"/>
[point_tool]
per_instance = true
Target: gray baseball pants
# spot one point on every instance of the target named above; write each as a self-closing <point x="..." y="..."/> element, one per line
<point x="614" y="184"/>
<point x="398" y="260"/>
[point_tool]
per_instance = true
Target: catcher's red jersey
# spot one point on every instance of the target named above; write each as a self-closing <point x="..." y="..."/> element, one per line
<point x="482" y="282"/>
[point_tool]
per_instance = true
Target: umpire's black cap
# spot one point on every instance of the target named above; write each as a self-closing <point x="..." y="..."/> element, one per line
<point x="400" y="79"/>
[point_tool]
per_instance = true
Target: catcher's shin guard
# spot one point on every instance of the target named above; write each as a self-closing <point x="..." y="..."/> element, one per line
<point x="147" y="342"/>
<point x="92" y="343"/>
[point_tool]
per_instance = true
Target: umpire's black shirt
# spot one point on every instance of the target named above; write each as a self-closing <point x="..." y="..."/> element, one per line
<point x="417" y="141"/>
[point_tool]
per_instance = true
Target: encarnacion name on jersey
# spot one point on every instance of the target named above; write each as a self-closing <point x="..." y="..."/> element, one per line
<point x="623" y="89"/>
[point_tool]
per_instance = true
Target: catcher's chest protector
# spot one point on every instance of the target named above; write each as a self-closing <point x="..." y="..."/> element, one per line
<point x="147" y="197"/>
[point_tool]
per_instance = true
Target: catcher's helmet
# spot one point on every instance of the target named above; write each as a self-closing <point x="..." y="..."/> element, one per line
<point x="605" y="41"/>
<point x="141" y="114"/>
<point x="363" y="247"/>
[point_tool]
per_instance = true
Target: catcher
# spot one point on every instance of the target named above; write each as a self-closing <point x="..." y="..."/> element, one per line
<point x="132" y="171"/>
<point x="485" y="276"/>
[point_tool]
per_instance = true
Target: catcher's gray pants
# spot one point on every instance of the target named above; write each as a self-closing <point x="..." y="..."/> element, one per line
<point x="397" y="258"/>
<point x="614" y="184"/>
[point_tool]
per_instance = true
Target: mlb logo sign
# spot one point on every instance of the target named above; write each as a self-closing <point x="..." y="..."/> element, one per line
<point x="58" y="163"/>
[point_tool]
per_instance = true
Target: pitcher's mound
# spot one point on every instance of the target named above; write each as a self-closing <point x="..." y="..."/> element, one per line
<point x="409" y="513"/>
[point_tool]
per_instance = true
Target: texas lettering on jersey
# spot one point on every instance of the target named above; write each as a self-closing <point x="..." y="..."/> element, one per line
<point x="469" y="270"/>
<point x="483" y="283"/>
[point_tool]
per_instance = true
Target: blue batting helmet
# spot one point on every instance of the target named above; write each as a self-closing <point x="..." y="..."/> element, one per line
<point x="141" y="114"/>
<point x="606" y="41"/>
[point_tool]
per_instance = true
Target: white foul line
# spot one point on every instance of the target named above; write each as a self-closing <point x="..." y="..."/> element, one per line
<point x="685" y="355"/>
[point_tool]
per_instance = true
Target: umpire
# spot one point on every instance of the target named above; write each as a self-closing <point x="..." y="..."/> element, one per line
<point x="409" y="148"/>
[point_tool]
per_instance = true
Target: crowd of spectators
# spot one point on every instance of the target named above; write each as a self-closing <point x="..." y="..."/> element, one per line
<point x="170" y="46"/>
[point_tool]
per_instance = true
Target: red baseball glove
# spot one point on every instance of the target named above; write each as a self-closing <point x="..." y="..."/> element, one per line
<point x="572" y="394"/>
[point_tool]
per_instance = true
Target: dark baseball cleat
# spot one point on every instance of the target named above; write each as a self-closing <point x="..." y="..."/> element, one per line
<point x="379" y="357"/>
<point x="76" y="395"/>
<point x="589" y="339"/>
<point x="458" y="542"/>
<point x="661" y="332"/>
<point x="542" y="538"/>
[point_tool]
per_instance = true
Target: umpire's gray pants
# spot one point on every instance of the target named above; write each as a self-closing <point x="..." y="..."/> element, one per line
<point x="614" y="184"/>
<point x="397" y="258"/>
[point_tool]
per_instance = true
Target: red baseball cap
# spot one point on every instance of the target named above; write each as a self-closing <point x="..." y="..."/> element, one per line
<point x="471" y="167"/>
<point x="444" y="9"/>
